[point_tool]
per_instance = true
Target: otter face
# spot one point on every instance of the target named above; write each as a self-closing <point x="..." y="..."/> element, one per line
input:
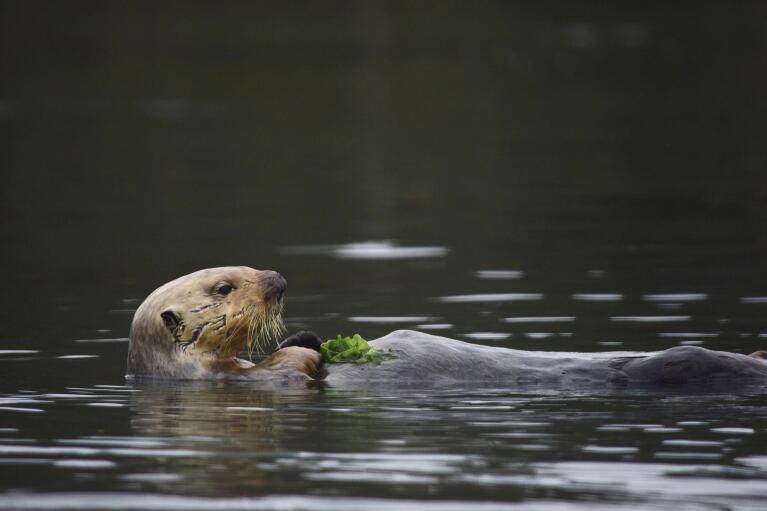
<point x="211" y="314"/>
<point x="227" y="310"/>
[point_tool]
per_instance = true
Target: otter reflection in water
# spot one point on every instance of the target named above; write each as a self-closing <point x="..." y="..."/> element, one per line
<point x="194" y="327"/>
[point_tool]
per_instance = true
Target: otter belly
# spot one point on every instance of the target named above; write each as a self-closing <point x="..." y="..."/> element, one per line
<point x="431" y="360"/>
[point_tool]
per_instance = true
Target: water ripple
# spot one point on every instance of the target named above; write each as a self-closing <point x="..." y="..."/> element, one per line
<point x="370" y="250"/>
<point x="389" y="319"/>
<point x="500" y="274"/>
<point x="487" y="336"/>
<point x="539" y="319"/>
<point x="144" y="501"/>
<point x="490" y="297"/>
<point x="675" y="297"/>
<point x="754" y="299"/>
<point x="597" y="297"/>
<point x="650" y="319"/>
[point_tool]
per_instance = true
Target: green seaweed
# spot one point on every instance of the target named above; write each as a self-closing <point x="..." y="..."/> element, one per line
<point x="352" y="350"/>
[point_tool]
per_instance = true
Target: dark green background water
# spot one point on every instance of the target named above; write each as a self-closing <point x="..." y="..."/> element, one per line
<point x="593" y="147"/>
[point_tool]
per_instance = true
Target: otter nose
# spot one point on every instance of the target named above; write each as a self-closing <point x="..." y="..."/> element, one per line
<point x="274" y="285"/>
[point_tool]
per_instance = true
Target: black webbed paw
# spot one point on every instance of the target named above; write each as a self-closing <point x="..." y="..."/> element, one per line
<point x="302" y="339"/>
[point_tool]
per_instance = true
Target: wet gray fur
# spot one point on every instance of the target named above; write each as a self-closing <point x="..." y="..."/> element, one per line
<point x="425" y="358"/>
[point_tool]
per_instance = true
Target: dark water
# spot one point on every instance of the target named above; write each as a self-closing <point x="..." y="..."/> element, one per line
<point x="553" y="175"/>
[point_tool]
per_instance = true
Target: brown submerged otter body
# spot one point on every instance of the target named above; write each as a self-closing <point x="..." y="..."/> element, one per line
<point x="195" y="326"/>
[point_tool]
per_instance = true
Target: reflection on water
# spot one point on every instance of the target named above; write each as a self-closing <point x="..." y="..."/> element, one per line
<point x="536" y="176"/>
<point x="490" y="297"/>
<point x="371" y="250"/>
<point x="70" y="426"/>
<point x="353" y="448"/>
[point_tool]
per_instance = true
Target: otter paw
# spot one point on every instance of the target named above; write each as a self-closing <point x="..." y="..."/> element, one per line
<point x="302" y="339"/>
<point x="295" y="358"/>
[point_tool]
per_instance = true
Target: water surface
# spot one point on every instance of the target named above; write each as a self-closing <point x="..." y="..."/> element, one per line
<point x="546" y="177"/>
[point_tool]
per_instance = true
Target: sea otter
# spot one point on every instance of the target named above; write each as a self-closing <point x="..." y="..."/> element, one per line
<point x="195" y="326"/>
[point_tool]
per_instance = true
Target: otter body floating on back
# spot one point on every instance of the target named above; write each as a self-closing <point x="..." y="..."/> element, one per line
<point x="194" y="327"/>
<point x="439" y="360"/>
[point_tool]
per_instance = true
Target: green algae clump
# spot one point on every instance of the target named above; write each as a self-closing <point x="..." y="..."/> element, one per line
<point x="352" y="350"/>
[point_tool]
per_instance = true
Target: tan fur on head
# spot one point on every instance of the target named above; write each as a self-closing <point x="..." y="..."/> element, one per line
<point x="194" y="326"/>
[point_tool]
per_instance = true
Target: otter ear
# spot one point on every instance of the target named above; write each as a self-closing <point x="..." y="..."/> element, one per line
<point x="170" y="319"/>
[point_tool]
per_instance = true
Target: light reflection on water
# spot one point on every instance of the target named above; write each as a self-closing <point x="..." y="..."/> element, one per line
<point x="368" y="250"/>
<point x="326" y="447"/>
<point x="187" y="445"/>
<point x="527" y="175"/>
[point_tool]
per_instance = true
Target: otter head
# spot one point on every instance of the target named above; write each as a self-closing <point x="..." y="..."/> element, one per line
<point x="189" y="326"/>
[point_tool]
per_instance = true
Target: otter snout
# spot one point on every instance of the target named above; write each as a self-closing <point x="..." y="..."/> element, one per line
<point x="274" y="285"/>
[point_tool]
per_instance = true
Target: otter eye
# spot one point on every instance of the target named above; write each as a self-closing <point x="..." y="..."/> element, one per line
<point x="224" y="289"/>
